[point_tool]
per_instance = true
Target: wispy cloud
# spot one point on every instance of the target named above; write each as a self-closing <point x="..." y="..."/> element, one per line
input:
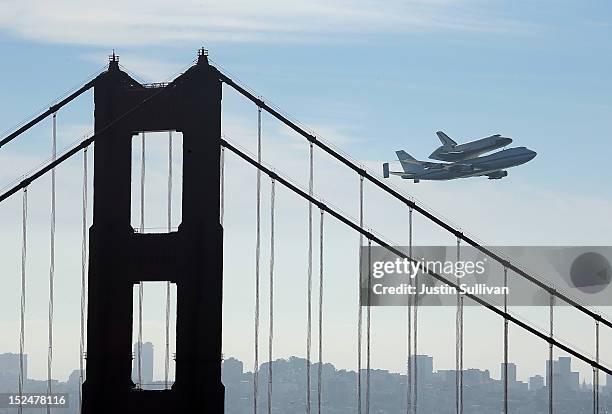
<point x="161" y="22"/>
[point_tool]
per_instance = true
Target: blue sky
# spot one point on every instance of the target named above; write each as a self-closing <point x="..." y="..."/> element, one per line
<point x="371" y="80"/>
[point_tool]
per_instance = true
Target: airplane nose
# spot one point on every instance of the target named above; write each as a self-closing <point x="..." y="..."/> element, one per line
<point x="532" y="154"/>
<point x="505" y="141"/>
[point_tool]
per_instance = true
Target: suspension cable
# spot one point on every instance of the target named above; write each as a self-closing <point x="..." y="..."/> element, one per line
<point x="52" y="260"/>
<point x="169" y="224"/>
<point x="506" y="341"/>
<point x="550" y="356"/>
<point x="309" y="295"/>
<point x="52" y="110"/>
<point x="320" y="367"/>
<point x="368" y="327"/>
<point x="271" y="287"/>
<point x="596" y="372"/>
<point x="359" y="307"/>
<point x="142" y="230"/>
<point x="415" y="326"/>
<point x="459" y="344"/>
<point x="257" y="259"/>
<point x="409" y="326"/>
<point x="83" y="278"/>
<point x="222" y="185"/>
<point x="24" y="251"/>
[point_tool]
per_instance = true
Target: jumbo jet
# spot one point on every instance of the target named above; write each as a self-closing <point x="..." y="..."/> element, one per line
<point x="451" y="151"/>
<point x="493" y="166"/>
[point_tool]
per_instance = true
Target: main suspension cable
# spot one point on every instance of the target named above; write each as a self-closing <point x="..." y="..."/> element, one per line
<point x="52" y="261"/>
<point x="271" y="297"/>
<point x="24" y="253"/>
<point x="309" y="288"/>
<point x="83" y="277"/>
<point x="257" y="259"/>
<point x="320" y="367"/>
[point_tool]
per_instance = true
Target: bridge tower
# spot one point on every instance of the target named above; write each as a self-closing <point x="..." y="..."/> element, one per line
<point x="191" y="257"/>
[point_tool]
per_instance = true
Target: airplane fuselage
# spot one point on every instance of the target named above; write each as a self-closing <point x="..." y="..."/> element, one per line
<point x="488" y="164"/>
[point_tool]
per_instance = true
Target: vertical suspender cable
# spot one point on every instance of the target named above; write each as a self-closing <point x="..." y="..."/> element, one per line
<point x="142" y="230"/>
<point x="52" y="260"/>
<point x="415" y="336"/>
<point x="24" y="251"/>
<point x="596" y="371"/>
<point x="169" y="225"/>
<point x="505" y="373"/>
<point x="309" y="295"/>
<point x="320" y="367"/>
<point x="550" y="356"/>
<point x="257" y="257"/>
<point x="359" y="307"/>
<point x="409" y="326"/>
<point x="368" y="327"/>
<point x="83" y="278"/>
<point x="271" y="287"/>
<point x="222" y="185"/>
<point x="459" y="344"/>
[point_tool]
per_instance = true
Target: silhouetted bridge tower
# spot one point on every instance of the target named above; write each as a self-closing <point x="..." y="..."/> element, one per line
<point x="192" y="257"/>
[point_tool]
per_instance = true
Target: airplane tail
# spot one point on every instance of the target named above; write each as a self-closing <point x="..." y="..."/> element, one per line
<point x="445" y="139"/>
<point x="409" y="163"/>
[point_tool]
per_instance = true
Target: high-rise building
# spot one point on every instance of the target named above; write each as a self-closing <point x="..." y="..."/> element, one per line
<point x="536" y="383"/>
<point x="9" y="366"/>
<point x="563" y="377"/>
<point x="424" y="370"/>
<point x="511" y="372"/>
<point x="146" y="364"/>
<point x="231" y="370"/>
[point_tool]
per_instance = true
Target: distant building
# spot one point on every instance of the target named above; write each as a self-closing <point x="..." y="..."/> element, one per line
<point x="146" y="363"/>
<point x="511" y="372"/>
<point x="563" y="377"/>
<point x="424" y="364"/>
<point x="232" y="370"/>
<point x="536" y="383"/>
<point x="9" y="366"/>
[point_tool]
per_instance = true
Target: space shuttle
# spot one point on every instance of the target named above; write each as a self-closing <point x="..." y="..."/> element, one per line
<point x="450" y="151"/>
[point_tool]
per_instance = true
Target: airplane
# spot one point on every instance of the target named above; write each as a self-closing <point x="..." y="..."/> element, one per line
<point x="451" y="151"/>
<point x="493" y="166"/>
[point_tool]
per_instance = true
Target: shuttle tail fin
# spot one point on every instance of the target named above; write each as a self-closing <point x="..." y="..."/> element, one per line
<point x="445" y="139"/>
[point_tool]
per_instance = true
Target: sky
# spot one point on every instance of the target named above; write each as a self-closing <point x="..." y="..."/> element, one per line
<point x="369" y="80"/>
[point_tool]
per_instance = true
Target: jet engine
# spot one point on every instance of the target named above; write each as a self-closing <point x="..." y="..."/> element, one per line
<point x="497" y="175"/>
